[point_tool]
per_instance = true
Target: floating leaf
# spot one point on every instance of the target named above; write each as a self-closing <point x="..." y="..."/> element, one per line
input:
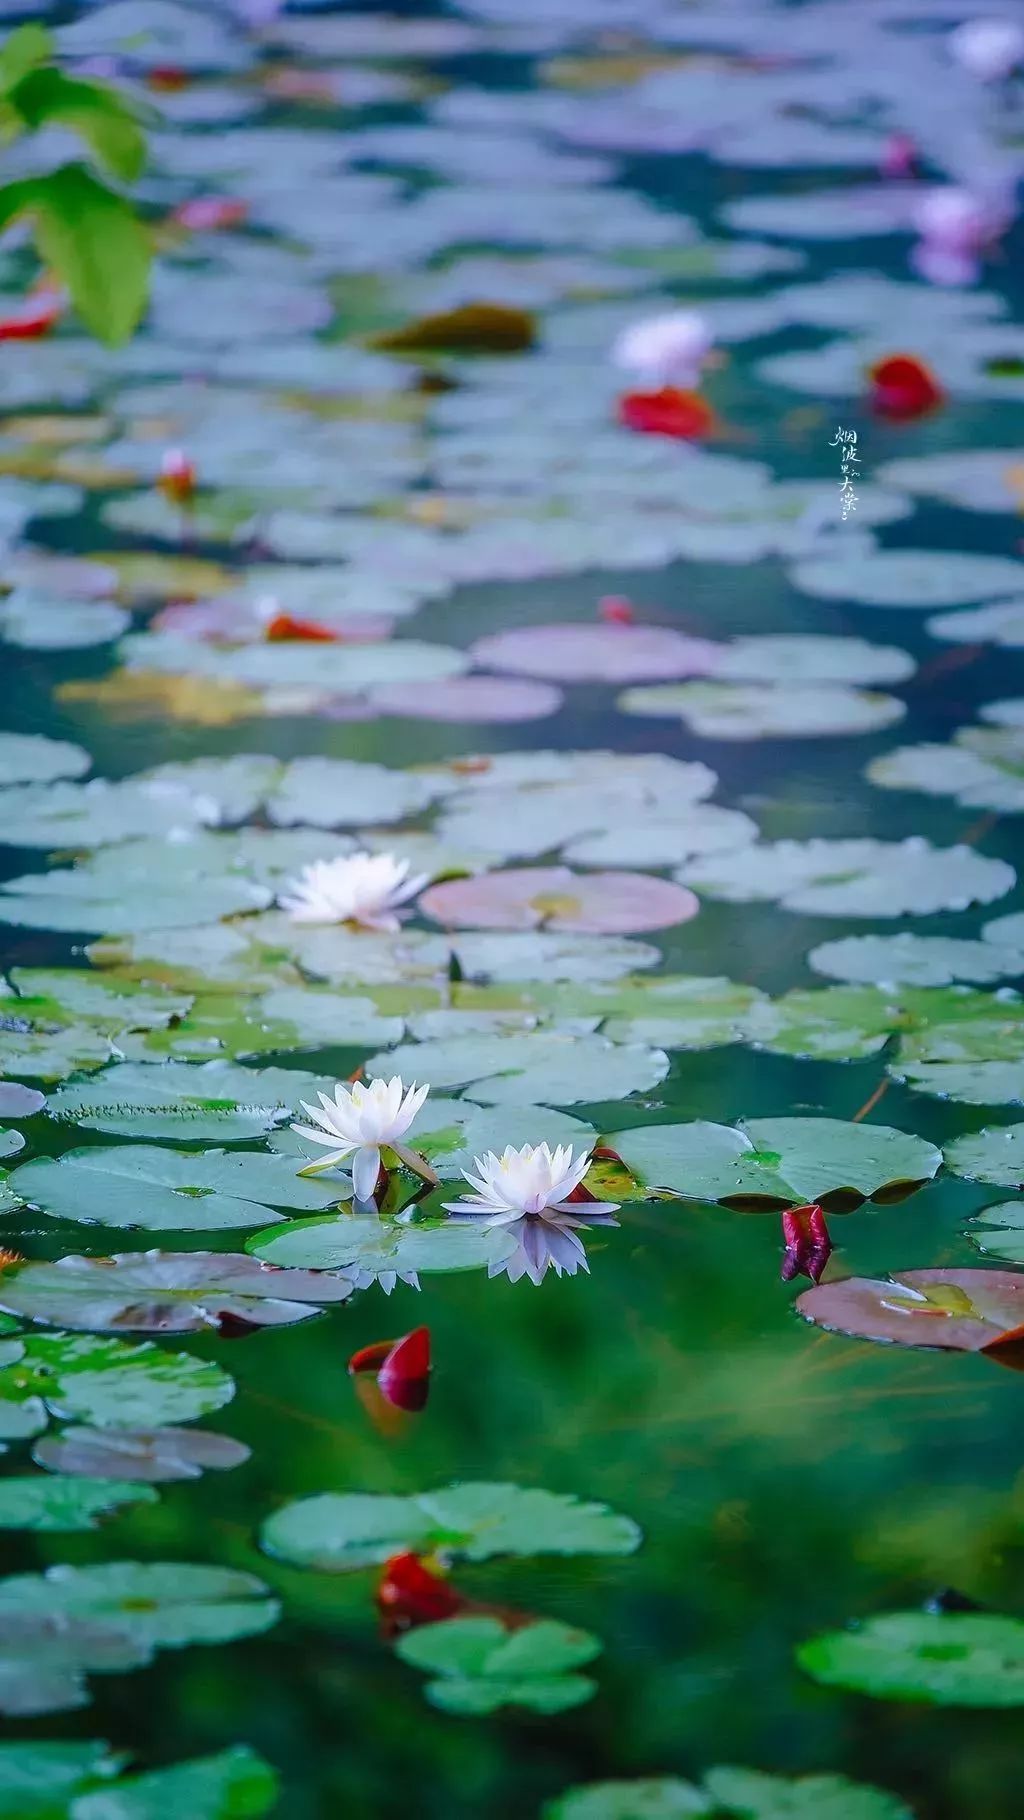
<point x="778" y="1162"/>
<point x="552" y="897"/>
<point x="168" y="1190"/>
<point x="729" y="1794"/>
<point x="917" y="960"/>
<point x="38" y="1780"/>
<point x="747" y="710"/>
<point x="166" y="1292"/>
<point x="983" y="767"/>
<point x="110" y="1383"/>
<point x="64" y="1504"/>
<point x="472" y="1522"/>
<point x="114" y="1616"/>
<point x="370" y="1248"/>
<point x="908" y="578"/>
<point x="556" y="1066"/>
<point x="481" y="1666"/>
<point x="578" y="652"/>
<point x="654" y="1798"/>
<point x="29" y="758"/>
<point x="184" y="1101"/>
<point x="992" y="1155"/>
<point x="233" y="1784"/>
<point x="950" y="1658"/>
<point x="853" y="877"/>
<point x="957" y="1310"/>
<point x="1002" y="624"/>
<point x="470" y="700"/>
<point x="151" y="1455"/>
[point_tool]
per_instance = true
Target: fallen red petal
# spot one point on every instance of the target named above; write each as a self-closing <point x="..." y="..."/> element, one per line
<point x="408" y="1594"/>
<point x="668" y="412"/>
<point x="202" y="214"/>
<point x="615" y="610"/>
<point x="283" y="627"/>
<point x="35" y="318"/>
<point x="902" y="387"/>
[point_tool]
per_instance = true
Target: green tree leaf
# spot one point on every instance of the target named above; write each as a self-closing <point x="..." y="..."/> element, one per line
<point x="95" y="111"/>
<point x="91" y="238"/>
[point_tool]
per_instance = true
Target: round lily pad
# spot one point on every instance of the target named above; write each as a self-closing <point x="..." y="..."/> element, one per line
<point x="552" y="897"/>
<point x="941" y="1658"/>
<point x="909" y="578"/>
<point x="65" y="1504"/>
<point x="470" y="700"/>
<point x="956" y="1310"/>
<point x="480" y="1666"/>
<point x="995" y="1154"/>
<point x="915" y="960"/>
<point x="108" y="1383"/>
<point x="31" y="758"/>
<point x="577" y="652"/>
<point x="551" y="1067"/>
<point x="853" y="877"/>
<point x="470" y="1522"/>
<point x="166" y="1292"/>
<point x="154" y="1455"/>
<point x="168" y="1190"/>
<point x="750" y="710"/>
<point x="183" y="1101"/>
<point x="372" y="1248"/>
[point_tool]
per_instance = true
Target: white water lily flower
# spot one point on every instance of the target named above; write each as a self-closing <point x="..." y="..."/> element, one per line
<point x="990" y="49"/>
<point x="527" y="1192"/>
<point x="364" y="888"/>
<point x="665" y="350"/>
<point x="360" y="1118"/>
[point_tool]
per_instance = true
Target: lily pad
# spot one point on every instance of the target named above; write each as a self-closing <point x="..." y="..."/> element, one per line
<point x="139" y="1185"/>
<point x="577" y="652"/>
<point x="982" y="768"/>
<point x="908" y="578"/>
<point x="749" y="710"/>
<point x="939" y="1658"/>
<point x="470" y="1522"/>
<point x="30" y="758"/>
<point x="854" y="877"/>
<point x="778" y="1162"/>
<point x="109" y="1383"/>
<point x="470" y="700"/>
<point x="58" y="1625"/>
<point x="1001" y="624"/>
<point x="552" y="897"/>
<point x="184" y="1101"/>
<point x="373" y="1248"/>
<point x="917" y="960"/>
<point x="992" y="1155"/>
<point x="556" y="1067"/>
<point x="480" y="1666"/>
<point x="166" y="1292"/>
<point x="955" y="1310"/>
<point x="729" y="1794"/>
<point x="154" y="1455"/>
<point x="234" y="1783"/>
<point x="65" y="1504"/>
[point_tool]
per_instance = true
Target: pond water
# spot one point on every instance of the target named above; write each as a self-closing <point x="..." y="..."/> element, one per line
<point x="770" y="767"/>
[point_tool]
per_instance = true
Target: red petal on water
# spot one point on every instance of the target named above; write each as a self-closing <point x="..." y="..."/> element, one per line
<point x="408" y="1594"/>
<point x="202" y="214"/>
<point x="899" y="158"/>
<point x="668" y="412"/>
<point x="168" y="78"/>
<point x="615" y="610"/>
<point x="902" y="387"/>
<point x="283" y="627"/>
<point x="35" y="318"/>
<point x="370" y="1358"/>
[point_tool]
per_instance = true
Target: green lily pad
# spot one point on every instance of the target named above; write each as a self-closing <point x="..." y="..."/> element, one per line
<point x="998" y="1232"/>
<point x="236" y="1784"/>
<point x="59" y="1020"/>
<point x="777" y="1162"/>
<point x="653" y="1798"/>
<point x="999" y="624"/>
<point x="557" y="1067"/>
<point x="939" y="1658"/>
<point x="993" y="1155"/>
<point x="168" y="1190"/>
<point x="480" y="1666"/>
<point x="65" y="1504"/>
<point x="853" y="877"/>
<point x="918" y="960"/>
<point x="771" y="710"/>
<point x="983" y="768"/>
<point x="185" y="1101"/>
<point x="30" y="758"/>
<point x="470" y="1522"/>
<point x="908" y="578"/>
<point x="165" y="1292"/>
<point x="374" y="1248"/>
<point x="729" y="1794"/>
<point x="38" y="1780"/>
<point x="110" y="1383"/>
<point x="58" y="1625"/>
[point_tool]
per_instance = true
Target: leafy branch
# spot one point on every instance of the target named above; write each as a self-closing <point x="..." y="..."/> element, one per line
<point x="85" y="231"/>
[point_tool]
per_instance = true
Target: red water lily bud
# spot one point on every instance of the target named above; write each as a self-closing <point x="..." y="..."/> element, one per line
<point x="167" y="78"/>
<point x="808" y="1245"/>
<point x="284" y="628"/>
<point x="615" y="610"/>
<point x="667" y="412"/>
<point x="409" y="1594"/>
<point x="177" y="480"/>
<point x="902" y="387"/>
<point x="402" y="1368"/>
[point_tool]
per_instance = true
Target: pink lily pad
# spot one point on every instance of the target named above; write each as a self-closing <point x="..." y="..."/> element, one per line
<point x="603" y="652"/>
<point x="552" y="897"/>
<point x="155" y="1455"/>
<point x="494" y="699"/>
<point x="956" y="1310"/>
